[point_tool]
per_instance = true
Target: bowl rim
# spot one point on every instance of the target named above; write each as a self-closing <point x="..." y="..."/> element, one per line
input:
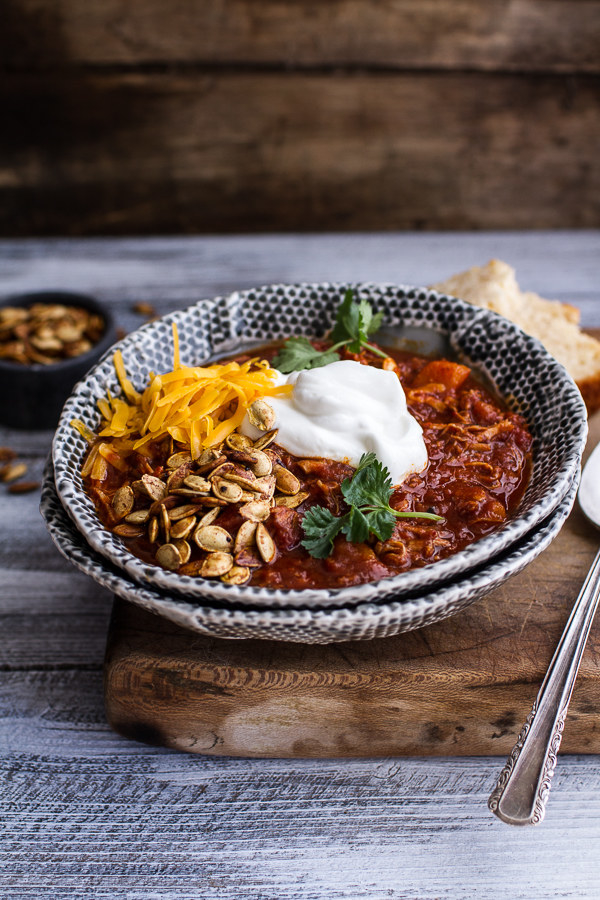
<point x="415" y="580"/>
<point x="67" y="298"/>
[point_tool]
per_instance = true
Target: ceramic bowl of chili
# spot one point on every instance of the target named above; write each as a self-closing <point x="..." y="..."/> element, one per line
<point x="522" y="373"/>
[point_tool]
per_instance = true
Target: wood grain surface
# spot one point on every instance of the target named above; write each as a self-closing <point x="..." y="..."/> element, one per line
<point x="120" y="153"/>
<point x="85" y="813"/>
<point x="559" y="35"/>
<point x="244" y="116"/>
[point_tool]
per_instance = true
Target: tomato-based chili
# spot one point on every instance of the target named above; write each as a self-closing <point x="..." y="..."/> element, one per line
<point x="479" y="457"/>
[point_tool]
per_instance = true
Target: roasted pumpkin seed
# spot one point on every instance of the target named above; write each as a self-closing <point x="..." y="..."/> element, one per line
<point x="247" y="496"/>
<point x="178" y="459"/>
<point x="139" y="517"/>
<point x="153" y="486"/>
<point x="216" y="564"/>
<point x="246" y="481"/>
<point x="197" y="483"/>
<point x="291" y="502"/>
<point x="213" y="501"/>
<point x="261" y="415"/>
<point x="237" y="441"/>
<point x="23" y="487"/>
<point x="13" y="471"/>
<point x="122" y="501"/>
<point x="249" y="558"/>
<point x="185" y="551"/>
<point x="212" y="538"/>
<point x="182" y="528"/>
<point x="192" y="568"/>
<point x="265" y="486"/>
<point x="168" y="556"/>
<point x="227" y="490"/>
<point x="153" y="530"/>
<point x="178" y="476"/>
<point x="203" y="467"/>
<point x="128" y="531"/>
<point x="261" y="464"/>
<point x="245" y="536"/>
<point x="208" y="456"/>
<point x="266" y="439"/>
<point x="256" y="510"/>
<point x="182" y="512"/>
<point x="265" y="543"/>
<point x="209" y="517"/>
<point x="165" y="523"/>
<point x="241" y="456"/>
<point x="286" y="481"/>
<point x="166" y="502"/>
<point x="236" y="575"/>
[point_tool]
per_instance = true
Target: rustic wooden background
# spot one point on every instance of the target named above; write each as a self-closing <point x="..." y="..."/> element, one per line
<point x="254" y="115"/>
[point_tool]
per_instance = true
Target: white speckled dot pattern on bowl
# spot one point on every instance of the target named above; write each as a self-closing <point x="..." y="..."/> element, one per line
<point x="523" y="372"/>
<point x="310" y="626"/>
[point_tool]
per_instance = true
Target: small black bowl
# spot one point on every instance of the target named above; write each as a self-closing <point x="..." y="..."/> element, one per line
<point x="32" y="395"/>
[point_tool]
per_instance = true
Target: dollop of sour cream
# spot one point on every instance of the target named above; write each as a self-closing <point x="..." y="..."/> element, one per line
<point x="343" y="410"/>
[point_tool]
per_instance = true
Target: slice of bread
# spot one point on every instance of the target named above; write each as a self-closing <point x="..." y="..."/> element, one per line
<point x="494" y="286"/>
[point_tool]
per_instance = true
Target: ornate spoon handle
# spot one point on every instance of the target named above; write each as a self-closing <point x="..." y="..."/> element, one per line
<point x="522" y="789"/>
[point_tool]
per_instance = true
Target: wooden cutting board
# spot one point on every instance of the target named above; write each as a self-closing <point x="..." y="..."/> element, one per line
<point x="460" y="687"/>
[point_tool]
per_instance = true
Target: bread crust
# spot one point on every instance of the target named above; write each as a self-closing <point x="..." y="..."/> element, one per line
<point x="494" y="286"/>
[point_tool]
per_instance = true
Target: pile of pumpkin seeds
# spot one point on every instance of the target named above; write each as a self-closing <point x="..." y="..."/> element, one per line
<point x="183" y="506"/>
<point x="47" y="332"/>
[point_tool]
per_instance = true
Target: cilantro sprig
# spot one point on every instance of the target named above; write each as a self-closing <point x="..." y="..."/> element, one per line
<point x="367" y="493"/>
<point x="355" y="321"/>
<point x="298" y="353"/>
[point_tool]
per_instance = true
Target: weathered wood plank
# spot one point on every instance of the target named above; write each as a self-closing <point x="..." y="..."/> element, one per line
<point x="528" y="35"/>
<point x="98" y="821"/>
<point x="66" y="631"/>
<point x="122" y="153"/>
<point x="177" y="271"/>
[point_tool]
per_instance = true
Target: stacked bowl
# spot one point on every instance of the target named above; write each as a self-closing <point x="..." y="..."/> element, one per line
<point x="517" y="367"/>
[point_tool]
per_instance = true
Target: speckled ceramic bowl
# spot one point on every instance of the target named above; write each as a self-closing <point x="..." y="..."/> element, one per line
<point x="521" y="370"/>
<point x="310" y="626"/>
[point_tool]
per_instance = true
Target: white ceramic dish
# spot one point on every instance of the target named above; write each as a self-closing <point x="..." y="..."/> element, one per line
<point x="518" y="366"/>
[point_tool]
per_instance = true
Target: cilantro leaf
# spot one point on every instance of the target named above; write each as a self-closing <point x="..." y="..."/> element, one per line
<point x="371" y="484"/>
<point x="381" y="523"/>
<point x="347" y="321"/>
<point x="367" y="459"/>
<point x="320" y="527"/>
<point x="354" y="323"/>
<point x="369" y="321"/>
<point x="298" y="353"/>
<point x="367" y="494"/>
<point x="356" y="526"/>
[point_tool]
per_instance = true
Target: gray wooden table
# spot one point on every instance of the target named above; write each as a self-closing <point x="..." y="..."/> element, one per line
<point x="85" y="813"/>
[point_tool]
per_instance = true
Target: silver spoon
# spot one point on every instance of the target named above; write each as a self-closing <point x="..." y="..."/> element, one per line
<point x="522" y="789"/>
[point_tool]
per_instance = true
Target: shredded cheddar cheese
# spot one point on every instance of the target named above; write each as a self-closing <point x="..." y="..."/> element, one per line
<point x="197" y="406"/>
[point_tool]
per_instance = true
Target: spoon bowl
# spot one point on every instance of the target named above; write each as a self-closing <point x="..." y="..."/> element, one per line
<point x="589" y="488"/>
